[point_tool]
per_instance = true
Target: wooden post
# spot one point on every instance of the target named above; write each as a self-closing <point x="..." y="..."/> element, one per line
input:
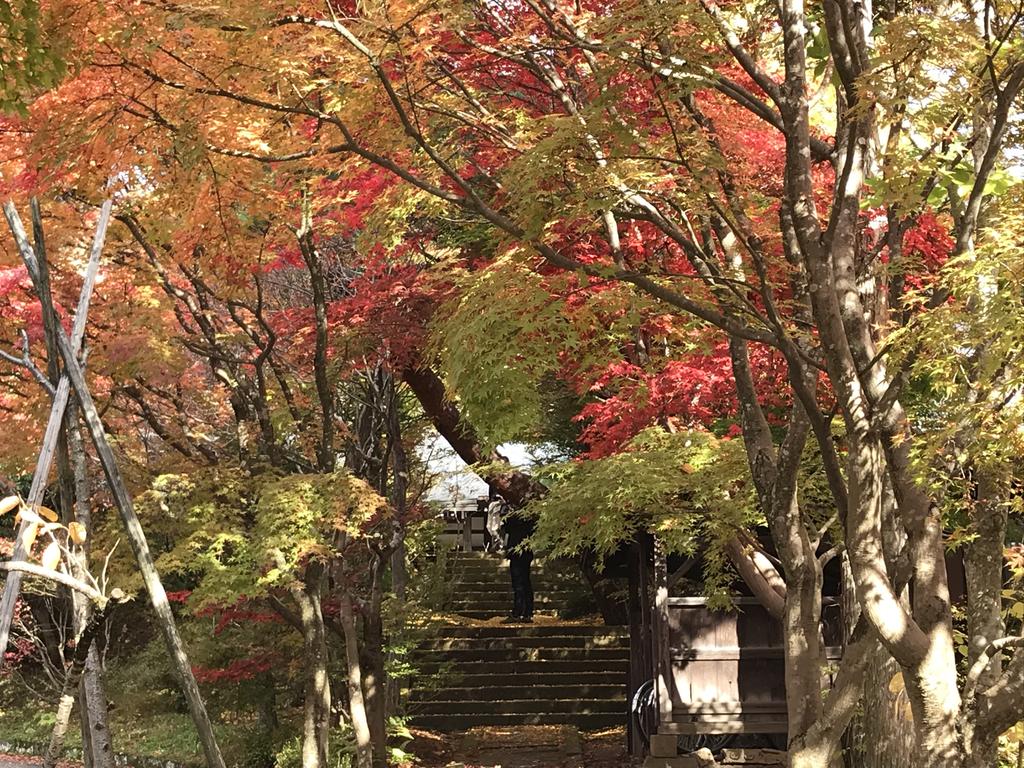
<point x="12" y="586"/>
<point x="467" y="532"/>
<point x="662" y="659"/>
<point x="641" y="669"/>
<point x="633" y="674"/>
<point x="133" y="528"/>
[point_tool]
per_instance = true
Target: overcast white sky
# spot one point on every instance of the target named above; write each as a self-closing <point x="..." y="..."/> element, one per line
<point x="454" y="480"/>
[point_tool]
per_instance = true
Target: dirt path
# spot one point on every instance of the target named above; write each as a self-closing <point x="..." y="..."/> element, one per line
<point x="539" y="746"/>
<point x="550" y="746"/>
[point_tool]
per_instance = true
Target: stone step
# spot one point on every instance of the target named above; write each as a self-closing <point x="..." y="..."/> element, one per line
<point x="519" y="706"/>
<point x="532" y="630"/>
<point x="589" y="721"/>
<point x="488" y="680"/>
<point x="505" y="586"/>
<point x="517" y="666"/>
<point x="504" y="591"/>
<point x="477" y="582"/>
<point x="500" y="606"/>
<point x="522" y="654"/>
<point x="489" y="567"/>
<point x="491" y="563"/>
<point x="521" y="692"/>
<point x="548" y="641"/>
<point x="499" y="613"/>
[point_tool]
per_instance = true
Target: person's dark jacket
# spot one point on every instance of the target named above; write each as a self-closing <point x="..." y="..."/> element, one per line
<point x="517" y="530"/>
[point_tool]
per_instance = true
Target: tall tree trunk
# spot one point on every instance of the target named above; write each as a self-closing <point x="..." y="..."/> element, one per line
<point x="84" y="728"/>
<point x="122" y="499"/>
<point x="882" y="735"/>
<point x="933" y="685"/>
<point x="399" y="491"/>
<point x="32" y="257"/>
<point x="92" y="694"/>
<point x="375" y="683"/>
<point x="72" y="678"/>
<point x="316" y="717"/>
<point x="888" y="723"/>
<point x="357" y="704"/>
<point x="921" y="642"/>
<point x="983" y="564"/>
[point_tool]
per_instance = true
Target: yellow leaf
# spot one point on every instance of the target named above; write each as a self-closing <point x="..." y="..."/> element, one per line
<point x="77" y="533"/>
<point x="51" y="556"/>
<point x="896" y="684"/>
<point x="11" y="502"/>
<point x="28" y="538"/>
<point x="48" y="513"/>
<point x="28" y="516"/>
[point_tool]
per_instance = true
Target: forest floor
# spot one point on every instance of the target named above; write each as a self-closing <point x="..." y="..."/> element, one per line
<point x="24" y="761"/>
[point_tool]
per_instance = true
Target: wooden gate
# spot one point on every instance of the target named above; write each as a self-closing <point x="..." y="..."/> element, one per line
<point x="723" y="671"/>
<point x="716" y="672"/>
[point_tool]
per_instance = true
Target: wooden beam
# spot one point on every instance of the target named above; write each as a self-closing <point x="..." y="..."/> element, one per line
<point x="122" y="498"/>
<point x="143" y="556"/>
<point x="47" y="453"/>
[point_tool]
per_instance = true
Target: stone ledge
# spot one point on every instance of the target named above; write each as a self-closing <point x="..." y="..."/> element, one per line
<point x="765" y="757"/>
<point x="670" y="762"/>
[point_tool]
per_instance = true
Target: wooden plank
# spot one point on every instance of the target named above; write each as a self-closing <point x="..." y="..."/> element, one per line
<point x="728" y="653"/>
<point x="731" y="708"/>
<point x="690" y="727"/>
<point x="48" y="451"/>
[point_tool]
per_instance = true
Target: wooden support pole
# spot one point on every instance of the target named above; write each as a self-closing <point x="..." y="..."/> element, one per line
<point x="132" y="526"/>
<point x="143" y="556"/>
<point x="12" y="586"/>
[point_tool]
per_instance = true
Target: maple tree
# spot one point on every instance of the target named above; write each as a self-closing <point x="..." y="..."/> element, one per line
<point x="697" y="214"/>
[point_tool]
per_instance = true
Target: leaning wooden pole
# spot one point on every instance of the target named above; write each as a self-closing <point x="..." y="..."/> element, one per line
<point x="12" y="586"/>
<point x="132" y="526"/>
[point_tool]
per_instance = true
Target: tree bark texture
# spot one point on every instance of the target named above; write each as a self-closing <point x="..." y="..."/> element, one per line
<point x="316" y="712"/>
<point x="375" y="682"/>
<point x="356" y="699"/>
<point x="85" y="642"/>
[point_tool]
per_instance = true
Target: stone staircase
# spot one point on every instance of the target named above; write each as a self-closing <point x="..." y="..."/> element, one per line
<point x="548" y="673"/>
